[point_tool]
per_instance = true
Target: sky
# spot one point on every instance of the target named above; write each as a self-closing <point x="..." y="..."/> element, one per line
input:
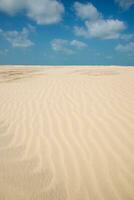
<point x="67" y="32"/>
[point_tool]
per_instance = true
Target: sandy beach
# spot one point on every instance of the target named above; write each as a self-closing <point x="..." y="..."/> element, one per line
<point x="66" y="133"/>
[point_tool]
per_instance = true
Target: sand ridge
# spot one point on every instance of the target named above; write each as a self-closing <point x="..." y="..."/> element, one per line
<point x="66" y="133"/>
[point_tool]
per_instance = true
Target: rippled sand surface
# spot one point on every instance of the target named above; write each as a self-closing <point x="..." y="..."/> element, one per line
<point x="66" y="133"/>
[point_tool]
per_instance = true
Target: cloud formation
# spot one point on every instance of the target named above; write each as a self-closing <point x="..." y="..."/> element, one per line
<point x="86" y="11"/>
<point x="41" y="11"/>
<point x="67" y="46"/>
<point x="127" y="36"/>
<point x="11" y="7"/>
<point x="95" y="25"/>
<point x="125" y="4"/>
<point x="18" y="39"/>
<point x="127" y="48"/>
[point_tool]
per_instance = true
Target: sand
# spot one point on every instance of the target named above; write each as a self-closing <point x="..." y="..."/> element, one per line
<point x="66" y="133"/>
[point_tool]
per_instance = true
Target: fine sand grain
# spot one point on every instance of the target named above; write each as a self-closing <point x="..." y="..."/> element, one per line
<point x="66" y="133"/>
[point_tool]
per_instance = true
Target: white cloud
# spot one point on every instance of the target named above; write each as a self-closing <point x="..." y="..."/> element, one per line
<point x="86" y="11"/>
<point x="66" y="46"/>
<point x="104" y="29"/>
<point x="41" y="11"/>
<point x="127" y="36"/>
<point x="45" y="11"/>
<point x="81" y="31"/>
<point x="125" y="4"/>
<point x="127" y="48"/>
<point x="18" y="38"/>
<point x="78" y="44"/>
<point x="61" y="46"/>
<point x="95" y="25"/>
<point x="11" y="7"/>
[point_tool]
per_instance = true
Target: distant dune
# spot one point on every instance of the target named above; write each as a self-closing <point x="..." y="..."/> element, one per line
<point x="66" y="133"/>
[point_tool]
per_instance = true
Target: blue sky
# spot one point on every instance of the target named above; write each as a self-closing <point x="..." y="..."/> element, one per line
<point x="67" y="32"/>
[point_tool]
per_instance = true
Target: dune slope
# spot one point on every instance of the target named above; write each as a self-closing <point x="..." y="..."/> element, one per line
<point x="67" y="133"/>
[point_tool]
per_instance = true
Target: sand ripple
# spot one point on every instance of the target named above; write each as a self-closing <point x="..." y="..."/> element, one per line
<point x="67" y="134"/>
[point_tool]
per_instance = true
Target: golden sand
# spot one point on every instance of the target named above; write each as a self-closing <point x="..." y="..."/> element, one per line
<point x="66" y="133"/>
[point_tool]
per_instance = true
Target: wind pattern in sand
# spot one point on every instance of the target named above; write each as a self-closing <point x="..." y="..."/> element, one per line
<point x="67" y="133"/>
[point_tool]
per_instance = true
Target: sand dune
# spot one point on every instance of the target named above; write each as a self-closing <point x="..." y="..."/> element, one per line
<point x="66" y="133"/>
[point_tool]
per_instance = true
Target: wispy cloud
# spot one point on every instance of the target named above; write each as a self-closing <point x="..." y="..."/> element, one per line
<point x="127" y="48"/>
<point x="127" y="36"/>
<point x="95" y="25"/>
<point x="78" y="44"/>
<point x="125" y="4"/>
<point x="18" y="39"/>
<point x="67" y="46"/>
<point x="4" y="52"/>
<point x="41" y="11"/>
